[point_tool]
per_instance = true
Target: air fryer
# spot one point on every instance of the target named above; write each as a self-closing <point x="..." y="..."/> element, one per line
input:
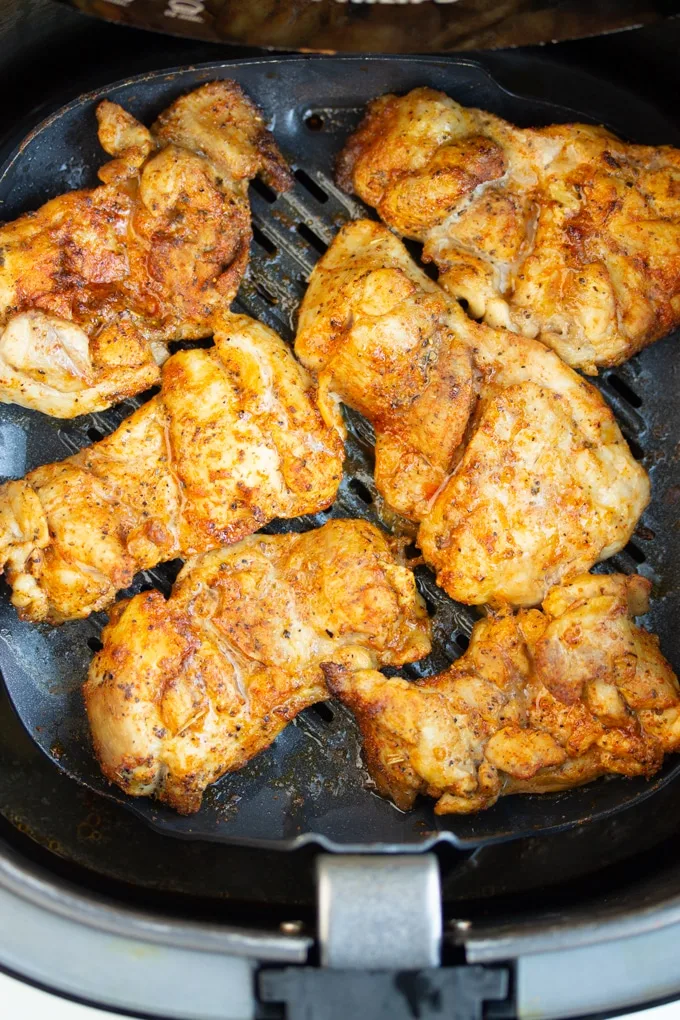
<point x="534" y="873"/>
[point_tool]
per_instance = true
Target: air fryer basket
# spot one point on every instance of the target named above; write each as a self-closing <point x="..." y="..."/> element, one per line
<point x="310" y="786"/>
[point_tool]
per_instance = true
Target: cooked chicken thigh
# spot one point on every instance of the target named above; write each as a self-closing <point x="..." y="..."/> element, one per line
<point x="95" y="283"/>
<point x="233" y="440"/>
<point x="513" y="464"/>
<point x="541" y="701"/>
<point x="546" y="486"/>
<point x="564" y="233"/>
<point x="186" y="690"/>
<point x="376" y="331"/>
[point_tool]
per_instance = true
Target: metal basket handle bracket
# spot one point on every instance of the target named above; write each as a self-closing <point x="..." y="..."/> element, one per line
<point x="380" y="933"/>
<point x="379" y="912"/>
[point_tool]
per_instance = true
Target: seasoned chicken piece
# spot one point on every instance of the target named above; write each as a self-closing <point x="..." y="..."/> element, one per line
<point x="186" y="690"/>
<point x="513" y="464"/>
<point x="541" y="701"/>
<point x="546" y="486"/>
<point x="376" y="331"/>
<point x="221" y="122"/>
<point x="233" y="440"/>
<point x="564" y="233"/>
<point x="95" y="283"/>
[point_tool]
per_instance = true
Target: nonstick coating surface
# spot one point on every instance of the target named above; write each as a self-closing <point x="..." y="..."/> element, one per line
<point x="311" y="785"/>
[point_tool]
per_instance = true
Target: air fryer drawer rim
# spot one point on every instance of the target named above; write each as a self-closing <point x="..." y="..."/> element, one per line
<point x="55" y="895"/>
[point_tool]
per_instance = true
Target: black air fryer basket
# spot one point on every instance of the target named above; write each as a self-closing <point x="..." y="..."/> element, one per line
<point x="246" y="856"/>
<point x="311" y="785"/>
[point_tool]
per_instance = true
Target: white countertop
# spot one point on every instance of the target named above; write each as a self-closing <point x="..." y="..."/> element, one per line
<point x="19" y="1001"/>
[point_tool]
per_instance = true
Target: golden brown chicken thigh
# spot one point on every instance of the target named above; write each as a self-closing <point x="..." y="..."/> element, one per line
<point x="546" y="485"/>
<point x="95" y="283"/>
<point x="186" y="690"/>
<point x="541" y="701"/>
<point x="375" y="329"/>
<point x="512" y="463"/>
<point x="233" y="440"/>
<point x="564" y="233"/>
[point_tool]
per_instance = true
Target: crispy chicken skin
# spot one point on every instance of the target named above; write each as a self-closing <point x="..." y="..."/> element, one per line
<point x="564" y="233"/>
<point x="541" y="701"/>
<point x="513" y="464"/>
<point x="96" y="282"/>
<point x="376" y="331"/>
<point x="233" y="439"/>
<point x="546" y="486"/>
<point x="186" y="690"/>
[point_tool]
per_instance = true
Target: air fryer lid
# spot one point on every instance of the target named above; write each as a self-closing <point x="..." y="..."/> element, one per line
<point x="310" y="785"/>
<point x="389" y="26"/>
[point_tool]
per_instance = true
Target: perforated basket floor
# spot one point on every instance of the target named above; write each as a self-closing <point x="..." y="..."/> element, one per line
<point x="311" y="784"/>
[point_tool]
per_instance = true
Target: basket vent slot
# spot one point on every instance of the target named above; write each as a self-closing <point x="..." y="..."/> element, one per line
<point x="264" y="242"/>
<point x="625" y="391"/>
<point x="314" y="189"/>
<point x="361" y="490"/>
<point x="635" y="447"/>
<point x="311" y="238"/>
<point x="635" y="552"/>
<point x="324" y="712"/>
<point x="263" y="190"/>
